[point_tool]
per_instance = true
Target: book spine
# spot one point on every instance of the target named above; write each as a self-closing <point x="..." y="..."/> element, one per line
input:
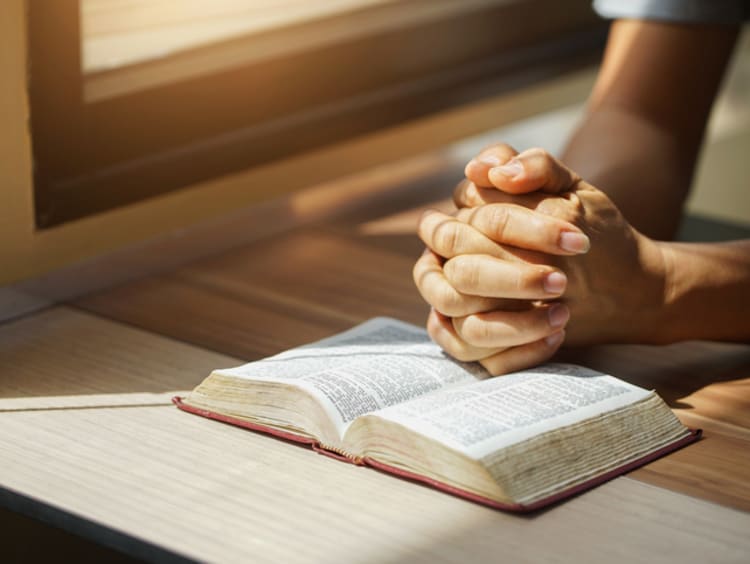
<point x="338" y="454"/>
<point x="330" y="451"/>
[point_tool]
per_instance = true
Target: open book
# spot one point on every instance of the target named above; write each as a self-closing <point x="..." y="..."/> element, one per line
<point x="384" y="395"/>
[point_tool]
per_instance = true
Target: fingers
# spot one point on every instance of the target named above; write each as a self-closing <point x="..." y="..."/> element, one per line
<point x="503" y="329"/>
<point x="534" y="169"/>
<point x="448" y="237"/>
<point x="496" y="360"/>
<point x="441" y="330"/>
<point x="478" y="168"/>
<point x="479" y="230"/>
<point x="517" y="226"/>
<point x="469" y="195"/>
<point x="484" y="275"/>
<point x="441" y="295"/>
<point x="524" y="356"/>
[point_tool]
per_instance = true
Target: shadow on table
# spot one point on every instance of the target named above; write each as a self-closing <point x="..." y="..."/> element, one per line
<point x="675" y="371"/>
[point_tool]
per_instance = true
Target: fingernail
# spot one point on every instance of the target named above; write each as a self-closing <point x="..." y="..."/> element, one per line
<point x="574" y="242"/>
<point x="489" y="160"/>
<point x="558" y="315"/>
<point x="511" y="169"/>
<point x="555" y="339"/>
<point x="555" y="283"/>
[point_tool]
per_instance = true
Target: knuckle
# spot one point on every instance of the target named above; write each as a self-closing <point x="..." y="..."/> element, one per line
<point x="422" y="270"/>
<point x="446" y="301"/>
<point x="433" y="328"/>
<point x="423" y="228"/>
<point x="538" y="153"/>
<point x="498" y="218"/>
<point x="465" y="194"/>
<point x="542" y="155"/>
<point x="447" y="237"/>
<point x="551" y="206"/>
<point x="435" y="331"/>
<point x="462" y="274"/>
<point x="561" y="208"/>
<point x="416" y="274"/>
<point x="422" y="282"/>
<point x="541" y="163"/>
<point x="451" y="345"/>
<point x="459" y="193"/>
<point x="476" y="331"/>
<point x="503" y="150"/>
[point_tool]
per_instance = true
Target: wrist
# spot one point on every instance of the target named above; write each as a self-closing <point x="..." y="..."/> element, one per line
<point x="653" y="312"/>
<point x="666" y="321"/>
<point x="705" y="291"/>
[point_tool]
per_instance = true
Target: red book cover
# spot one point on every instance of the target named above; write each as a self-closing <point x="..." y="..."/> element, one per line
<point x="516" y="507"/>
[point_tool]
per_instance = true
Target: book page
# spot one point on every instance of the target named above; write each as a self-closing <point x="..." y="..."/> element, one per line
<point x="380" y="363"/>
<point x="498" y="412"/>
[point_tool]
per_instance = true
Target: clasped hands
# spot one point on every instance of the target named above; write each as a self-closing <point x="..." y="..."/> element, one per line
<point x="534" y="257"/>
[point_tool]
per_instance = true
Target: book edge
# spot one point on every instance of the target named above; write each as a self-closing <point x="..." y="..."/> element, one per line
<point x="693" y="436"/>
<point x="178" y="401"/>
<point x="285" y="435"/>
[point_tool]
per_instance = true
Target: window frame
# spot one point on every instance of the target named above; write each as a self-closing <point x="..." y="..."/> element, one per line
<point x="95" y="156"/>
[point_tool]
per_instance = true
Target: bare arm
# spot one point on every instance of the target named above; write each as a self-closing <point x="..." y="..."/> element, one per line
<point x="639" y="143"/>
<point x="707" y="293"/>
<point x="646" y="118"/>
<point x="622" y="287"/>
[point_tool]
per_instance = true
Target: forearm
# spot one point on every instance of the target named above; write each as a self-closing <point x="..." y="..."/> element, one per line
<point x="647" y="115"/>
<point x="708" y="291"/>
<point x="638" y="164"/>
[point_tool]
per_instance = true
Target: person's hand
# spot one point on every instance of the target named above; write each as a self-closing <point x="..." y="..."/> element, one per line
<point x="513" y="324"/>
<point x="611" y="293"/>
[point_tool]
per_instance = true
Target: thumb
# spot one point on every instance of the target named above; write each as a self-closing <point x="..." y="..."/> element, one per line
<point x="532" y="170"/>
<point x="494" y="155"/>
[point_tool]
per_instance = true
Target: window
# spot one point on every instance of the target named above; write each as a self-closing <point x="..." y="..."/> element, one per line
<point x="134" y="98"/>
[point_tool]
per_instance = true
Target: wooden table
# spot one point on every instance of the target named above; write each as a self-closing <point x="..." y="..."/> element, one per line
<point x="90" y="444"/>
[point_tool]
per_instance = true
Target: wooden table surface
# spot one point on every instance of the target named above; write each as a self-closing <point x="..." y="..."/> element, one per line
<point x="89" y="442"/>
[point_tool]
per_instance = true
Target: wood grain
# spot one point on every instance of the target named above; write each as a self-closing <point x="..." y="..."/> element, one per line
<point x="213" y="492"/>
<point x="179" y="485"/>
<point x="271" y="295"/>
<point x="708" y="386"/>
<point x="62" y="358"/>
<point x="313" y="281"/>
<point x="716" y="468"/>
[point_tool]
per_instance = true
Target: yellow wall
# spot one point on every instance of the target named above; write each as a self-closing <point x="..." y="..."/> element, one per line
<point x="26" y="252"/>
